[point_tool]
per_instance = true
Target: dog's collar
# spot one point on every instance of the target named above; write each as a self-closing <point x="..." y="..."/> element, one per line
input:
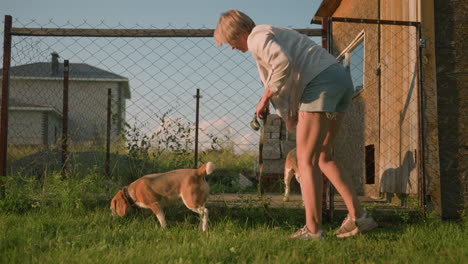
<point x="128" y="197"/>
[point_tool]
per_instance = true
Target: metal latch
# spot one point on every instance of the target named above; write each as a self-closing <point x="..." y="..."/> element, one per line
<point x="422" y="43"/>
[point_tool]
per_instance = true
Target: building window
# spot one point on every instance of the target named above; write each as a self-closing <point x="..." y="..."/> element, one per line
<point x="352" y="58"/>
<point x="370" y="164"/>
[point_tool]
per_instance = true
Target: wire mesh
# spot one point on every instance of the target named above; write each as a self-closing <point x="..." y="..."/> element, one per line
<point x="153" y="81"/>
<point x="381" y="145"/>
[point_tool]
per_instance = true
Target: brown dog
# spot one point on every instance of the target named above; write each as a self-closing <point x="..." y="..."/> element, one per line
<point x="290" y="170"/>
<point x="154" y="191"/>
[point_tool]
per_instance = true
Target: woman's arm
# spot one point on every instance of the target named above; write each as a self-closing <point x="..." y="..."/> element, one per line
<point x="263" y="106"/>
<point x="270" y="57"/>
<point x="265" y="48"/>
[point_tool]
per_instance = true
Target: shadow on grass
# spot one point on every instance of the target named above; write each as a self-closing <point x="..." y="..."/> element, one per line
<point x="257" y="217"/>
<point x="246" y="217"/>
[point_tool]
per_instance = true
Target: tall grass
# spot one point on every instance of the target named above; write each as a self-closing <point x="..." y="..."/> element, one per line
<point x="135" y="154"/>
<point x="60" y="221"/>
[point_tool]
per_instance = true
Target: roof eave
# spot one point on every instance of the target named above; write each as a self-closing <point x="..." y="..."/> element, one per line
<point x="326" y="9"/>
<point x="36" y="109"/>
<point x="127" y="92"/>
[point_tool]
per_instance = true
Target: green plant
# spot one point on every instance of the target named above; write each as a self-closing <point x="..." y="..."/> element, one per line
<point x="223" y="143"/>
<point x="66" y="192"/>
<point x="371" y="208"/>
<point x="173" y="134"/>
<point x="138" y="143"/>
<point x="168" y="147"/>
<point x="18" y="194"/>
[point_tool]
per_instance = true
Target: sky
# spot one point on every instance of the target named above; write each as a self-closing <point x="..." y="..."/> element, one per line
<point x="162" y="66"/>
<point x="295" y="13"/>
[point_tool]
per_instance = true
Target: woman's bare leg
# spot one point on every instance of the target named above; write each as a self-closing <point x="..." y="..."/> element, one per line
<point x="342" y="181"/>
<point x="311" y="131"/>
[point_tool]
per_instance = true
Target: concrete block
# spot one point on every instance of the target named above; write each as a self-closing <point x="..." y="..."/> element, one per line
<point x="272" y="149"/>
<point x="275" y="135"/>
<point x="272" y="119"/>
<point x="273" y="166"/>
<point x="272" y="129"/>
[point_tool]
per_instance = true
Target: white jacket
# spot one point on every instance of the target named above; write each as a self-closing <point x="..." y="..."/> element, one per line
<point x="286" y="61"/>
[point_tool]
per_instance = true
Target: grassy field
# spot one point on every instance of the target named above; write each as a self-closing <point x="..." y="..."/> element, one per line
<point x="49" y="218"/>
<point x="87" y="233"/>
<point x="66" y="219"/>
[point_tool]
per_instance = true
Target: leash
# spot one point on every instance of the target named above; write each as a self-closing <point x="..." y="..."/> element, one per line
<point x="261" y="192"/>
<point x="128" y="197"/>
<point x="260" y="164"/>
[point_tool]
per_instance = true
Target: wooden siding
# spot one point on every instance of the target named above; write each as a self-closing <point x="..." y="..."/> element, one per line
<point x="385" y="113"/>
<point x="399" y="101"/>
<point x="403" y="10"/>
<point x="399" y="109"/>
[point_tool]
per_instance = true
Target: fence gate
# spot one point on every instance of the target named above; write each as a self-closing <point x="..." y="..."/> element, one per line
<point x="381" y="146"/>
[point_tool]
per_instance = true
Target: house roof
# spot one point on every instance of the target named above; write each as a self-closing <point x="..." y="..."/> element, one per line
<point x="326" y="9"/>
<point x="78" y="71"/>
<point x="14" y="105"/>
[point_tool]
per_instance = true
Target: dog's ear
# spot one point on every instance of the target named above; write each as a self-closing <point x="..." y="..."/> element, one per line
<point x="119" y="204"/>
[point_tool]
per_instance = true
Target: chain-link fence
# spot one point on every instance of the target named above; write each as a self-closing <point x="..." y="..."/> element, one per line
<point x="154" y="81"/>
<point x="153" y="76"/>
<point x="147" y="81"/>
<point x="381" y="144"/>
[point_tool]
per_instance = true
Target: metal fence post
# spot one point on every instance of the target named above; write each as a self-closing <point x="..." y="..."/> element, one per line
<point x="65" y="116"/>
<point x="197" y="113"/>
<point x="420" y="157"/>
<point x="108" y="135"/>
<point x="328" y="191"/>
<point x="4" y="106"/>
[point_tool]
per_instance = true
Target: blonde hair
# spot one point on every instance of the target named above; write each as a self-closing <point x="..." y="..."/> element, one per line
<point x="231" y="24"/>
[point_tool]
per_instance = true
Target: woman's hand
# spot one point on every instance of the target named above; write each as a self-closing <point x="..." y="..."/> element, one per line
<point x="263" y="108"/>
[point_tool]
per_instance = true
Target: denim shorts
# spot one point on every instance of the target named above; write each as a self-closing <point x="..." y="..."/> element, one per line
<point x="330" y="91"/>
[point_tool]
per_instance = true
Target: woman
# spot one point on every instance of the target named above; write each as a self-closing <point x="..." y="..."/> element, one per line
<point x="311" y="92"/>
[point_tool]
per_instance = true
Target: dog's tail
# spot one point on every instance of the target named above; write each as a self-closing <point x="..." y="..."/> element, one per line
<point x="206" y="169"/>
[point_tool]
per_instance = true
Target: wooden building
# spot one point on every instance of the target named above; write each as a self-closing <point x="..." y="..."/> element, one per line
<point x="404" y="132"/>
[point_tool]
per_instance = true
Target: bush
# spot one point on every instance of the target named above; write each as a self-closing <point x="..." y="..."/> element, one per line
<point x="71" y="192"/>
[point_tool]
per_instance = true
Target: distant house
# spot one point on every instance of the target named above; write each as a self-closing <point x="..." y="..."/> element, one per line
<point x="394" y="135"/>
<point x="31" y="124"/>
<point x="35" y="102"/>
